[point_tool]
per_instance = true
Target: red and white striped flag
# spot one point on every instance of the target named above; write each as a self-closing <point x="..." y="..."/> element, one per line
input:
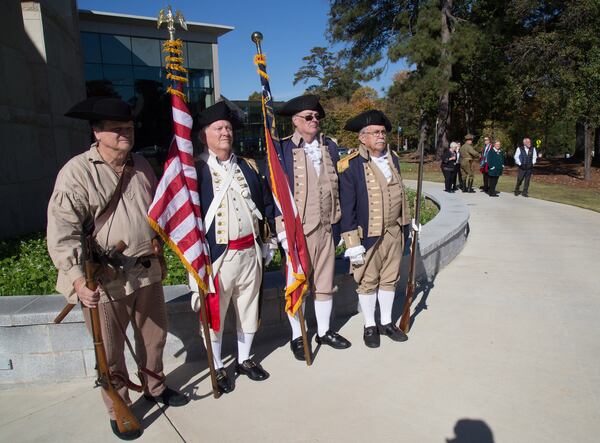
<point x="175" y="212"/>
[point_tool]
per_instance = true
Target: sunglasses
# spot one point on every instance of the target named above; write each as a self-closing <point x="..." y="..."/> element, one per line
<point x="310" y="117"/>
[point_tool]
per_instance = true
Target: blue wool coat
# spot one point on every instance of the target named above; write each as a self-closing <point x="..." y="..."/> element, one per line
<point x="259" y="191"/>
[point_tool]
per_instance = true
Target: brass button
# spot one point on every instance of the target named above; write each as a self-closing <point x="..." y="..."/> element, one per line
<point x="219" y="214"/>
<point x="220" y="232"/>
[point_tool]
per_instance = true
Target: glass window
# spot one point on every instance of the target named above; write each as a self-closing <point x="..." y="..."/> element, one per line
<point x="147" y="73"/>
<point x="125" y="92"/>
<point x="145" y="51"/>
<point x="199" y="55"/>
<point x="200" y="78"/>
<point x="201" y="98"/>
<point x="90" y="42"/>
<point x="93" y="71"/>
<point x="119" y="75"/>
<point x="116" y="49"/>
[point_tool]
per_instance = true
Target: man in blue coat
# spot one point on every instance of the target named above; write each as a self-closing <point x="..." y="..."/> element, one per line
<point x="375" y="216"/>
<point x="309" y="160"/>
<point x="237" y="208"/>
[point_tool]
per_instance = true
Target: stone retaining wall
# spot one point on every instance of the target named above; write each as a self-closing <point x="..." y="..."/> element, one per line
<point x="33" y="349"/>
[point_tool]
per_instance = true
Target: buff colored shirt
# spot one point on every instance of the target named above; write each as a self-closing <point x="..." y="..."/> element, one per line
<point x="83" y="188"/>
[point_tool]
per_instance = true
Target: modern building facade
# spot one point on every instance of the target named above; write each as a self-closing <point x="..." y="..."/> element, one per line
<point x="53" y="55"/>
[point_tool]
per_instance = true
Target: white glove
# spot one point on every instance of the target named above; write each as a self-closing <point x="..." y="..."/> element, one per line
<point x="356" y="254"/>
<point x="283" y="240"/>
<point x="268" y="250"/>
<point x="415" y="226"/>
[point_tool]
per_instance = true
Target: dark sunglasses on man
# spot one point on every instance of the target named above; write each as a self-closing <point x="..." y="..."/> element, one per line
<point x="310" y="117"/>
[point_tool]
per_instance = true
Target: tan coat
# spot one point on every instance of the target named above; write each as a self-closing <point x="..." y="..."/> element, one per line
<point x="83" y="188"/>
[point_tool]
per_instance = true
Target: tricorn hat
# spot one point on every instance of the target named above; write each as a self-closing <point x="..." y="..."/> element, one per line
<point x="371" y="117"/>
<point x="469" y="137"/>
<point x="306" y="102"/>
<point x="216" y="112"/>
<point x="101" y="108"/>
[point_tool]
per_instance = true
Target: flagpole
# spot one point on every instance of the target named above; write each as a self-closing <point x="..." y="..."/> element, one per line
<point x="257" y="37"/>
<point x="175" y="70"/>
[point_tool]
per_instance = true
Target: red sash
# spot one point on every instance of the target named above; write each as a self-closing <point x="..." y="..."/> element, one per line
<point x="212" y="299"/>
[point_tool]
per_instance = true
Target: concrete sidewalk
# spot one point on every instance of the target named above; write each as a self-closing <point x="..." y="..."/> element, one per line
<point x="507" y="350"/>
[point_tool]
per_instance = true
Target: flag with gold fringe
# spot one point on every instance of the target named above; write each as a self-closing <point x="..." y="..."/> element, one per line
<point x="297" y="263"/>
<point x="175" y="212"/>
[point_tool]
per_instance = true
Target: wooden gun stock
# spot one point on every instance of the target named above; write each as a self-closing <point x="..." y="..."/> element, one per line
<point x="125" y="419"/>
<point x="414" y="244"/>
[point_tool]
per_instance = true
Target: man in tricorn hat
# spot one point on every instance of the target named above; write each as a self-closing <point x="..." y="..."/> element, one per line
<point x="375" y="219"/>
<point x="309" y="160"/>
<point x="105" y="192"/>
<point x="469" y="157"/>
<point x="237" y="210"/>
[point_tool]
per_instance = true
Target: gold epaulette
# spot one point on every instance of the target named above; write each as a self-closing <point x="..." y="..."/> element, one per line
<point x="252" y="164"/>
<point x="344" y="163"/>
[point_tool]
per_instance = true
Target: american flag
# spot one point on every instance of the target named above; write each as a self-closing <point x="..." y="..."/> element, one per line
<point x="297" y="263"/>
<point x="175" y="212"/>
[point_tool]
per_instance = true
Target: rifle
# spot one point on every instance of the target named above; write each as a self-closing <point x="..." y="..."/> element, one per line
<point x="125" y="419"/>
<point x="116" y="252"/>
<point x="410" y="286"/>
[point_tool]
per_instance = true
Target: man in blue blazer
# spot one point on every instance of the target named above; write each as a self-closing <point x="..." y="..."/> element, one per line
<point x="375" y="217"/>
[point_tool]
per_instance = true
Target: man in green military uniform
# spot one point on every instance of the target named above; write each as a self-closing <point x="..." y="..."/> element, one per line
<point x="469" y="158"/>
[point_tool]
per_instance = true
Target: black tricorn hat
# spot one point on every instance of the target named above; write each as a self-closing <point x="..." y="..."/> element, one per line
<point x="101" y="108"/>
<point x="218" y="111"/>
<point x="371" y="117"/>
<point x="306" y="102"/>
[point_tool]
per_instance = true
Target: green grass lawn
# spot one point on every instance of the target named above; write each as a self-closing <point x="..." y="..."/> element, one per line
<point x="583" y="198"/>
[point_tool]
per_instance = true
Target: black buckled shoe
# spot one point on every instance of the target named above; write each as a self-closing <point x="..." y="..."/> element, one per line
<point x="253" y="370"/>
<point x="223" y="381"/>
<point x="371" y="336"/>
<point x="169" y="397"/>
<point x="127" y="435"/>
<point x="297" y="347"/>
<point x="334" y="340"/>
<point x="393" y="332"/>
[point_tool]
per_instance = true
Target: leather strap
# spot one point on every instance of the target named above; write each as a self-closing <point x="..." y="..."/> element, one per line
<point x="110" y="208"/>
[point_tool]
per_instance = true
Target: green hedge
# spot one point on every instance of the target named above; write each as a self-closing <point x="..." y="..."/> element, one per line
<point x="26" y="268"/>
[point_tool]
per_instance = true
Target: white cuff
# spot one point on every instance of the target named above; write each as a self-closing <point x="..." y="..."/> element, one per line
<point x="354" y="251"/>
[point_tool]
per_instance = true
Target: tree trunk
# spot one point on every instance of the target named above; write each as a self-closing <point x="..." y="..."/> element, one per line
<point x="469" y="113"/>
<point x="443" y="121"/>
<point x="579" y="141"/>
<point x="423" y="129"/>
<point x="587" y="161"/>
<point x="596" y="159"/>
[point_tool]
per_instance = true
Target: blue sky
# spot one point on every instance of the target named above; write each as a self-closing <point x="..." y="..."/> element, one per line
<point x="290" y="30"/>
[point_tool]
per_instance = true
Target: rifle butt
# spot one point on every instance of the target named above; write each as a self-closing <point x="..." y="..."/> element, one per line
<point x="125" y="419"/>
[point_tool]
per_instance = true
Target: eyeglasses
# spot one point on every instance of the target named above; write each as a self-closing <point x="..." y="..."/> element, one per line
<point x="310" y="117"/>
<point x="381" y="133"/>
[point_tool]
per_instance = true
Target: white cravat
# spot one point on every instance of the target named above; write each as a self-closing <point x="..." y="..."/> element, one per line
<point x="384" y="166"/>
<point x="313" y="152"/>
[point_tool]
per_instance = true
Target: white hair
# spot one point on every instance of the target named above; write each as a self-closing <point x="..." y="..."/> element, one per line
<point x="454" y="145"/>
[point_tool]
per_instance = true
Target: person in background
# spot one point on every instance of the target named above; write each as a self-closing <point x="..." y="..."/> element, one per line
<point x="483" y="166"/>
<point x="495" y="162"/>
<point x="449" y="166"/>
<point x="525" y="158"/>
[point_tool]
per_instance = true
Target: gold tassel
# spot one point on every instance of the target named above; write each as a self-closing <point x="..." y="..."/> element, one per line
<point x="177" y="93"/>
<point x="176" y="78"/>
